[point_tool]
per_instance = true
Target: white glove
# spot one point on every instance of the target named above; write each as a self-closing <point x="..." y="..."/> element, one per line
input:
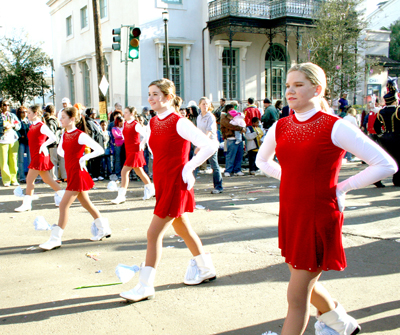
<point x="341" y="198"/>
<point x="82" y="163"/>
<point x="43" y="149"/>
<point x="142" y="146"/>
<point x="188" y="177"/>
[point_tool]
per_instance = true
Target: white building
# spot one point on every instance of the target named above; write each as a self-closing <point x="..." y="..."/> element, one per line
<point x="265" y="38"/>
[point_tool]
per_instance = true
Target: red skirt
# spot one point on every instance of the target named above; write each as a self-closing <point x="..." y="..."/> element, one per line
<point x="40" y="162"/>
<point x="135" y="159"/>
<point x="79" y="180"/>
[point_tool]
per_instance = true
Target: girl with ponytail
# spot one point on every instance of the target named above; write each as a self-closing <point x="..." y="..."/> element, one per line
<point x="40" y="137"/>
<point x="170" y="135"/>
<point x="72" y="147"/>
<point x="134" y="156"/>
<point x="310" y="146"/>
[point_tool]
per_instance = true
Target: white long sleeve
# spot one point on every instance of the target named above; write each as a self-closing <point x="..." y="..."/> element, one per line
<point x="85" y="139"/>
<point x="140" y="129"/>
<point x="60" y="150"/>
<point x="265" y="157"/>
<point x="207" y="147"/>
<point x="381" y="165"/>
<point x="45" y="130"/>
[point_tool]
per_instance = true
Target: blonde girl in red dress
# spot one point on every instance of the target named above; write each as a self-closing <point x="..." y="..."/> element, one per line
<point x="134" y="156"/>
<point x="40" y="137"/>
<point x="310" y="146"/>
<point x="72" y="147"/>
<point x="170" y="135"/>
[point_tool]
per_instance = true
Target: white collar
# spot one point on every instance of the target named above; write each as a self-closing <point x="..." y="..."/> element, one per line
<point x="35" y="122"/>
<point x="163" y="115"/>
<point x="70" y="131"/>
<point x="306" y="115"/>
<point x="130" y="121"/>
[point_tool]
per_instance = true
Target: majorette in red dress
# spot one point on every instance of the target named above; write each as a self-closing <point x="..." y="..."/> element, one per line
<point x="171" y="153"/>
<point x="134" y="156"/>
<point x="39" y="162"/>
<point x="310" y="223"/>
<point x="77" y="179"/>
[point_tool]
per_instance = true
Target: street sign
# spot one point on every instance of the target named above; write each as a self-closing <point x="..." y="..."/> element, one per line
<point x="104" y="85"/>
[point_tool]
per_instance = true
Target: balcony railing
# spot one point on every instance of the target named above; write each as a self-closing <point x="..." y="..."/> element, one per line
<point x="263" y="9"/>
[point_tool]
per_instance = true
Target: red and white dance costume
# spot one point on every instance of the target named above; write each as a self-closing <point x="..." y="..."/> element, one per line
<point x="169" y="140"/>
<point x="40" y="137"/>
<point x="170" y="135"/>
<point x="310" y="147"/>
<point x="72" y="147"/>
<point x="134" y="156"/>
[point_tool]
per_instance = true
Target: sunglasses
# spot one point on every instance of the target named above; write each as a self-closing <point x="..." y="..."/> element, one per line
<point x="6" y="105"/>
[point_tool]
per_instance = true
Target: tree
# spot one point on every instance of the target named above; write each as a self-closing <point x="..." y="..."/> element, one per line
<point x="335" y="43"/>
<point x="22" y="68"/>
<point x="394" y="47"/>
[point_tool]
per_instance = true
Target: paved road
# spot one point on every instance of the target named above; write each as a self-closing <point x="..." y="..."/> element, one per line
<point x="37" y="294"/>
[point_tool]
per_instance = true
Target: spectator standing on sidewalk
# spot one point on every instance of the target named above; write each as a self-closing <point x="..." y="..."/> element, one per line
<point x="251" y="112"/>
<point x="23" y="149"/>
<point x="270" y="116"/>
<point x="207" y="123"/>
<point x="234" y="151"/>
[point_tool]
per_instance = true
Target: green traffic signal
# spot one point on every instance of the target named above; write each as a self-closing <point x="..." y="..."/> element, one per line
<point x="134" y="35"/>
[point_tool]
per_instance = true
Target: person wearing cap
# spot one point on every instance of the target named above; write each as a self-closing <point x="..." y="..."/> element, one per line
<point x="271" y="114"/>
<point x="387" y="125"/>
<point x="65" y="103"/>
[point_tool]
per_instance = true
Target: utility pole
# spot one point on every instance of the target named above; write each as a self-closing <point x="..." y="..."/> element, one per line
<point x="99" y="55"/>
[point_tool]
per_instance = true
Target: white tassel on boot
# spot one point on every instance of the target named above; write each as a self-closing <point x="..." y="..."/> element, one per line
<point x="55" y="239"/>
<point x="149" y="191"/>
<point x="145" y="288"/>
<point x="58" y="197"/>
<point x="199" y="270"/>
<point x="339" y="321"/>
<point x="103" y="229"/>
<point x="121" y="196"/>
<point x="26" y="204"/>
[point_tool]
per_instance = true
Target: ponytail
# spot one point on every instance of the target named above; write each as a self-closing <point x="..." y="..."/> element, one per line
<point x="177" y="103"/>
<point x="325" y="106"/>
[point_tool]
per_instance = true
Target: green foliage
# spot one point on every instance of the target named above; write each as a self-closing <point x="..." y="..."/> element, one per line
<point x="394" y="48"/>
<point x="334" y="44"/>
<point x="21" y="69"/>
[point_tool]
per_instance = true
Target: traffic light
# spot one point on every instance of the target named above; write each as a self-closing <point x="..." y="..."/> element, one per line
<point x="134" y="34"/>
<point x="116" y="46"/>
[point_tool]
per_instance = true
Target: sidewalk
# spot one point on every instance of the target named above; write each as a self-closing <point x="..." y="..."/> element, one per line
<point x="37" y="294"/>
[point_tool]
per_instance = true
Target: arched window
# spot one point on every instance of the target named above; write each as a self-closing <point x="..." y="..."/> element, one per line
<point x="275" y="74"/>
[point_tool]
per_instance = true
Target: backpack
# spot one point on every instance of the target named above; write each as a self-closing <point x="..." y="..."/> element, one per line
<point x="371" y="120"/>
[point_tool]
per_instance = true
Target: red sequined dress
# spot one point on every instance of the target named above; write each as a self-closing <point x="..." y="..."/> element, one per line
<point x="134" y="156"/>
<point x="39" y="162"/>
<point x="310" y="223"/>
<point x="171" y="153"/>
<point x="77" y="179"/>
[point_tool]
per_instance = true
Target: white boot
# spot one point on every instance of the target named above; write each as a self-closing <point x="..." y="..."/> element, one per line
<point x="55" y="239"/>
<point x="149" y="191"/>
<point x="103" y="229"/>
<point x="145" y="288"/>
<point x="200" y="269"/>
<point x="26" y="204"/>
<point x="121" y="196"/>
<point x="340" y="321"/>
<point x="58" y="197"/>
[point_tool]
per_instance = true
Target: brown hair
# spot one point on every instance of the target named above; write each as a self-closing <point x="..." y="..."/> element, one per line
<point x="167" y="87"/>
<point x="50" y="109"/>
<point x="21" y="110"/>
<point x="80" y="122"/>
<point x="207" y="100"/>
<point x="36" y="109"/>
<point x="316" y="76"/>
<point x="118" y="121"/>
<point x="133" y="111"/>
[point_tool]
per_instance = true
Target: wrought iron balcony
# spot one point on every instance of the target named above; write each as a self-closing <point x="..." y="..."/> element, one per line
<point x="263" y="9"/>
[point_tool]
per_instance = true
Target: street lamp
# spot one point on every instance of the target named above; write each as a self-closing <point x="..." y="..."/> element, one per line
<point x="165" y="17"/>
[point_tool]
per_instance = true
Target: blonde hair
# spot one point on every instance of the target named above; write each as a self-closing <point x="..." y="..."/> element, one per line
<point x="316" y="76"/>
<point x="210" y="108"/>
<point x="352" y="111"/>
<point x="167" y="87"/>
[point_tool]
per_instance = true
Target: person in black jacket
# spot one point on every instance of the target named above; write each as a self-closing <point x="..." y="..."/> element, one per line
<point x="23" y="149"/>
